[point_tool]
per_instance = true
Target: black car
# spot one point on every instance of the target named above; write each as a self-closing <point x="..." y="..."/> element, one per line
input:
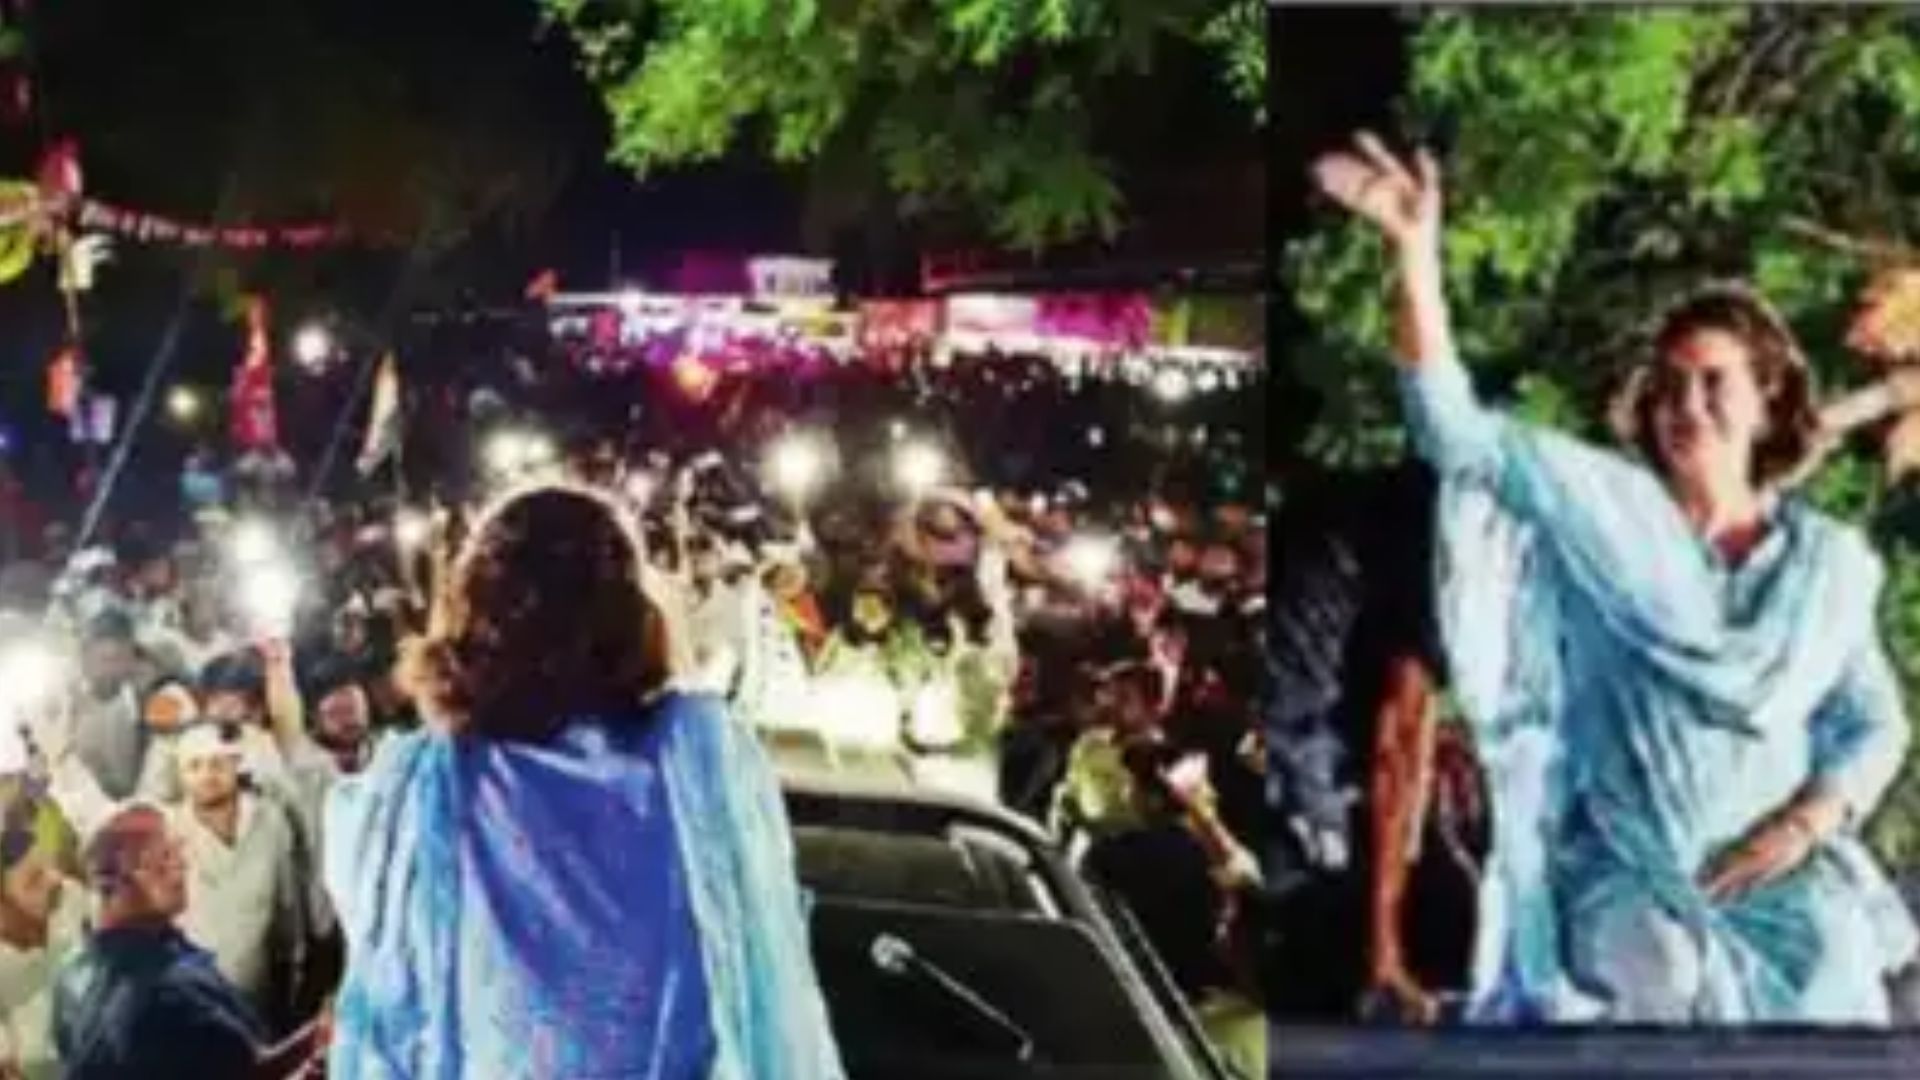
<point x="954" y="940"/>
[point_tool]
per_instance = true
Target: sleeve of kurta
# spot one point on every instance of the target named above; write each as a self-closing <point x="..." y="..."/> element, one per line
<point x="292" y="919"/>
<point x="77" y="792"/>
<point x="1860" y="732"/>
<point x="1603" y="518"/>
<point x="1537" y="473"/>
<point x="160" y="773"/>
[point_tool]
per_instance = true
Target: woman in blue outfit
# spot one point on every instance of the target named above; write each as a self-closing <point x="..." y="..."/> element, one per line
<point x="568" y="872"/>
<point x="1672" y="666"/>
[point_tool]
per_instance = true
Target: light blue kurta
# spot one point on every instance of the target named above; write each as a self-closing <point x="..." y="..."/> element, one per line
<point x="1640" y="704"/>
<point x="617" y="902"/>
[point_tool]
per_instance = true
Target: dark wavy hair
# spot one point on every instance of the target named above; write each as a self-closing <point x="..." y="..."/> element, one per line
<point x="1791" y="438"/>
<point x="542" y="619"/>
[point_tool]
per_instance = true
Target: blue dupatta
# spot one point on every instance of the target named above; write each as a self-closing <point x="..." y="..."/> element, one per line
<point x="1639" y="703"/>
<point x="652" y="859"/>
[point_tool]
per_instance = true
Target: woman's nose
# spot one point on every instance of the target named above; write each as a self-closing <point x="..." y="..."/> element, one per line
<point x="1690" y="400"/>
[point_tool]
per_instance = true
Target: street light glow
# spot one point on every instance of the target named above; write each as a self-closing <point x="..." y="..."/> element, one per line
<point x="1172" y="386"/>
<point x="30" y="673"/>
<point x="1091" y="560"/>
<point x="183" y="404"/>
<point x="412" y="528"/>
<point x="253" y="542"/>
<point x="796" y="464"/>
<point x="538" y="450"/>
<point x="268" y="592"/>
<point x="505" y="451"/>
<point x="918" y="467"/>
<point x="312" y="345"/>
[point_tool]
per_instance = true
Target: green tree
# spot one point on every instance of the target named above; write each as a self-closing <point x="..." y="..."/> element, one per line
<point x="1602" y="160"/>
<point x="986" y="107"/>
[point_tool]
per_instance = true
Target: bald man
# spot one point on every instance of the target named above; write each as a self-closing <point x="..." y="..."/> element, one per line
<point x="139" y="999"/>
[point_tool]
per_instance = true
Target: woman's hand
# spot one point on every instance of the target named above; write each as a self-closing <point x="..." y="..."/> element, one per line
<point x="1404" y="203"/>
<point x="1393" y="992"/>
<point x="1770" y="851"/>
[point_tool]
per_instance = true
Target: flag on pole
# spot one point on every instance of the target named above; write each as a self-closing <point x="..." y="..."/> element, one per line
<point x="255" y="423"/>
<point x="81" y="259"/>
<point x="63" y="383"/>
<point x="543" y="286"/>
<point x="383" y="418"/>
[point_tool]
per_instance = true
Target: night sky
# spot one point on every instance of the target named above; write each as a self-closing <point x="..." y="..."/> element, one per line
<point x="179" y="107"/>
<point x="192" y="109"/>
<point x="168" y="103"/>
<point x="1335" y="70"/>
<point x="236" y="111"/>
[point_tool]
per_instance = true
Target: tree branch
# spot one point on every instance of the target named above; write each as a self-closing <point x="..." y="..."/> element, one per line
<point x="1877" y="250"/>
<point x="1896" y="393"/>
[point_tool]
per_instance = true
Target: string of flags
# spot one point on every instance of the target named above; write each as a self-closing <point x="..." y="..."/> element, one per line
<point x="51" y="213"/>
<point x="154" y="228"/>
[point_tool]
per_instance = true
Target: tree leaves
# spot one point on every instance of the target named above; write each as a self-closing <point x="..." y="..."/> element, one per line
<point x="982" y="106"/>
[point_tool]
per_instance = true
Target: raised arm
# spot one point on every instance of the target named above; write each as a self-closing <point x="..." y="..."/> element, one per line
<point x="286" y="710"/>
<point x="1405" y="205"/>
<point x="1449" y="426"/>
<point x="1601" y="512"/>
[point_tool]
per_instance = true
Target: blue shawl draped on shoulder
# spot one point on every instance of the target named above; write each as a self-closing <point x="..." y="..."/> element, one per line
<point x="1640" y="703"/>
<point x="617" y="902"/>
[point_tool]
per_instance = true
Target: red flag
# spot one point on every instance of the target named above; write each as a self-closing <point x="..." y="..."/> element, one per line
<point x="255" y="424"/>
<point x="59" y="171"/>
<point x="63" y="382"/>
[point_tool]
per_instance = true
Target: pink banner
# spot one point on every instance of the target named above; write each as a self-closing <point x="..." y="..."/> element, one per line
<point x="1116" y="320"/>
<point x="710" y="272"/>
<point x="988" y="315"/>
<point x="889" y="323"/>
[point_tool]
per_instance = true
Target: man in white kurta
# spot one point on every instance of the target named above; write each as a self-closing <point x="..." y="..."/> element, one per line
<point x="247" y="891"/>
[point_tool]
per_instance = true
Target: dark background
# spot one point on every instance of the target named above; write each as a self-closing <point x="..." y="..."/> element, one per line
<point x="1334" y="70"/>
<point x="393" y="116"/>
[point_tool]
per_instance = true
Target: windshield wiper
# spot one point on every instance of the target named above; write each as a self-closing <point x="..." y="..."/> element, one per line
<point x="895" y="956"/>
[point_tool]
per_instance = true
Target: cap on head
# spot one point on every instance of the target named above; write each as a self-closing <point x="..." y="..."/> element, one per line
<point x="205" y="739"/>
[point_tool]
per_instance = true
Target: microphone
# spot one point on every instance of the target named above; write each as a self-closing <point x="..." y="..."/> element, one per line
<point x="895" y="956"/>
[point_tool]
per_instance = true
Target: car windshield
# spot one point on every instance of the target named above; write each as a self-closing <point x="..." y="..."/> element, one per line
<point x="955" y="945"/>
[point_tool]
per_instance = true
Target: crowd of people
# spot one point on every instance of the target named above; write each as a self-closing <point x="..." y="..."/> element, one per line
<point x="991" y="578"/>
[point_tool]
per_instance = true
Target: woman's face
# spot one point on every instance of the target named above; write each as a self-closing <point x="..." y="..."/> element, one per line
<point x="33" y="886"/>
<point x="1708" y="408"/>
